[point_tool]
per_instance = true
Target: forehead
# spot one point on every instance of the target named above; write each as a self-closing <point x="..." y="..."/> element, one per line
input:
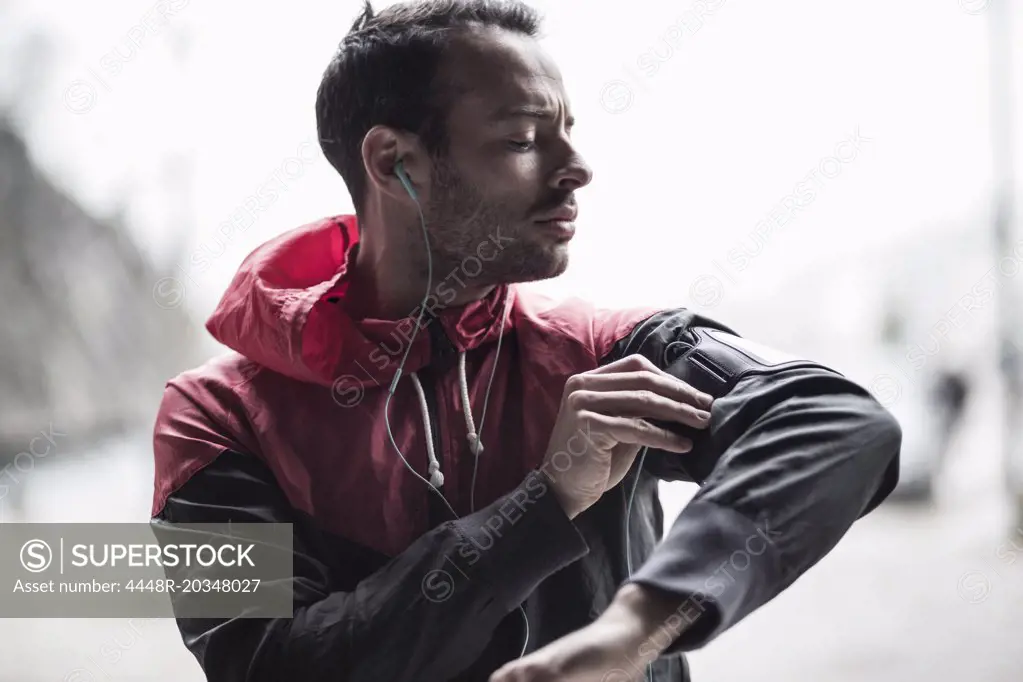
<point x="489" y="70"/>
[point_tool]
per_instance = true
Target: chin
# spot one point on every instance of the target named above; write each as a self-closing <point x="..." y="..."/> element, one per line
<point x="561" y="264"/>
<point x="547" y="265"/>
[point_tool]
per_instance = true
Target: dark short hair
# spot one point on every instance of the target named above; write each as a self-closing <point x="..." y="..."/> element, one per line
<point x="384" y="73"/>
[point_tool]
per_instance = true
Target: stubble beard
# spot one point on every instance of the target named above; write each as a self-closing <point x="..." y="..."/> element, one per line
<point x="479" y="241"/>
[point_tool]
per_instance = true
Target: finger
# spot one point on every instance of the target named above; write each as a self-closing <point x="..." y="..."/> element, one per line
<point x="659" y="382"/>
<point x="642" y="403"/>
<point x="637" y="431"/>
<point x="630" y="363"/>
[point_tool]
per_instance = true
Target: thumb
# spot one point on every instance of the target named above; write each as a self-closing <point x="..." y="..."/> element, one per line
<point x="622" y="457"/>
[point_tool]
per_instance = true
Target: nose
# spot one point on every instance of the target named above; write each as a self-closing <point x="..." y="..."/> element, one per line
<point x="575" y="173"/>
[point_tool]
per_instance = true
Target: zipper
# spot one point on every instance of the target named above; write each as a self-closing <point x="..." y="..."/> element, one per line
<point x="441" y="347"/>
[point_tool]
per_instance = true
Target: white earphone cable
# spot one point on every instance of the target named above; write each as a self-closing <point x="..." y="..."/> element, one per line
<point x="474" y="444"/>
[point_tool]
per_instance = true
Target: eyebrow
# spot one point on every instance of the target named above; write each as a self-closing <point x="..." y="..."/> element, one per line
<point x="529" y="111"/>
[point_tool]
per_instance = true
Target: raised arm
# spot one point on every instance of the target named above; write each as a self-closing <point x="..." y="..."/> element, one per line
<point x="794" y="454"/>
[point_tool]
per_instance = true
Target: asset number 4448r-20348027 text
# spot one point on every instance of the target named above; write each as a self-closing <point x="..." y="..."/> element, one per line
<point x="194" y="585"/>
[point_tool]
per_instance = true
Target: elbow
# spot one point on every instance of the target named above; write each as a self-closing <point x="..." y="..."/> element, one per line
<point x="882" y="452"/>
<point x="887" y="432"/>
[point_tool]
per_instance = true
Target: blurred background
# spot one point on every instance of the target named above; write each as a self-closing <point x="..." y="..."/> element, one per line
<point x="833" y="179"/>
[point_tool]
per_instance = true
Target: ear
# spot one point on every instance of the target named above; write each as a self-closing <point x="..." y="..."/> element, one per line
<point x="381" y="149"/>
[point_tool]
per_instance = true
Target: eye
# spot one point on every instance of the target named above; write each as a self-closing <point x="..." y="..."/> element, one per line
<point x="521" y="146"/>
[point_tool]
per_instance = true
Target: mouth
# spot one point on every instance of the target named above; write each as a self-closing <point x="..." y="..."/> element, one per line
<point x="562" y="230"/>
<point x="564" y="214"/>
<point x="560" y="223"/>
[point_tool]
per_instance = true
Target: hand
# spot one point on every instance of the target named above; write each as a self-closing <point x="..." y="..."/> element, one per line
<point x="602" y="424"/>
<point x="614" y="648"/>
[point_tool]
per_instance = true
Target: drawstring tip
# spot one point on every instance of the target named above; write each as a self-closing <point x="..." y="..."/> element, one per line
<point x="437" y="479"/>
<point x="475" y="444"/>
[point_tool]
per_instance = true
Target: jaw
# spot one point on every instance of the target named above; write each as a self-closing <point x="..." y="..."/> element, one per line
<point x="538" y="261"/>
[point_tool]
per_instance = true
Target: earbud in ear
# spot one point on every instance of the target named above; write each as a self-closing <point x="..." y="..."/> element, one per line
<point x="399" y="170"/>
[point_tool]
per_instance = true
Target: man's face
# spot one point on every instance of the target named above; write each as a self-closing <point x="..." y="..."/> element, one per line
<point x="506" y="171"/>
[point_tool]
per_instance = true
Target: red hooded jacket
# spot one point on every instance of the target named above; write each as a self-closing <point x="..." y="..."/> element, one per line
<point x="290" y="428"/>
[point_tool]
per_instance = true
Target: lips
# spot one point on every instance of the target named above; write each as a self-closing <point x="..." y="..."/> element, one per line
<point x="565" y="213"/>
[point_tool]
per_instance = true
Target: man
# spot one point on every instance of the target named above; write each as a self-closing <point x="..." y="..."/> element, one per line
<point x="430" y="548"/>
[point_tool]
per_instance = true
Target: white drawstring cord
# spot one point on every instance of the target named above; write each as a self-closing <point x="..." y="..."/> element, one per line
<point x="436" y="475"/>
<point x="475" y="445"/>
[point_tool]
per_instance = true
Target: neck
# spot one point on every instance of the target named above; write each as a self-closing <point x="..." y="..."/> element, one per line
<point x="389" y="281"/>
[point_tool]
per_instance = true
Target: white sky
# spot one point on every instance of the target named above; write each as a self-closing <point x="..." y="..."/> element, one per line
<point x="741" y="111"/>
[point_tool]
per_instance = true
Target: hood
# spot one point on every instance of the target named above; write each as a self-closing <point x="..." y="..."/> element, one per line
<point x="285" y="310"/>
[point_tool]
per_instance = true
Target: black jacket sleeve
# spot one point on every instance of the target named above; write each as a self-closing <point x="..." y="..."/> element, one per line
<point x="425" y="614"/>
<point x="794" y="454"/>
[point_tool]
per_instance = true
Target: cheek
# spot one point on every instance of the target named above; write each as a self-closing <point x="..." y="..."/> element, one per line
<point x="522" y="196"/>
<point x="510" y="187"/>
<point x="508" y="201"/>
<point x="521" y="171"/>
